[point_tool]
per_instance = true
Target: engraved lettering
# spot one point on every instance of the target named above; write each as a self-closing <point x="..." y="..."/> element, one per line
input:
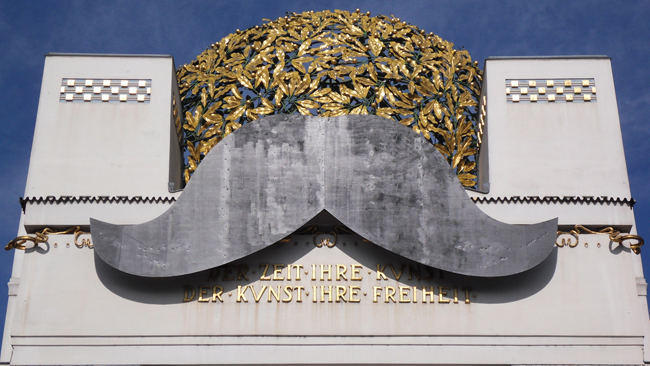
<point x="356" y="269"/>
<point x="397" y="275"/>
<point x="380" y="272"/>
<point x="430" y="272"/>
<point x="341" y="295"/>
<point x="274" y="294"/>
<point x="414" y="270"/>
<point x="257" y="297"/>
<point x="323" y="271"/>
<point x="390" y="293"/>
<point x="328" y="292"/>
<point x="240" y="293"/>
<point x="228" y="270"/>
<point x="467" y="290"/>
<point x="299" y="290"/>
<point x="287" y="290"/>
<point x="216" y="293"/>
<point x="203" y="291"/>
<point x="189" y="293"/>
<point x="376" y="293"/>
<point x="214" y="273"/>
<point x="242" y="269"/>
<point x="403" y="291"/>
<point x="264" y="276"/>
<point x="338" y="293"/>
<point x="277" y="270"/>
<point x="340" y="272"/>
<point x="354" y="292"/>
<point x="442" y="291"/>
<point x="426" y="293"/>
<point x="298" y="268"/>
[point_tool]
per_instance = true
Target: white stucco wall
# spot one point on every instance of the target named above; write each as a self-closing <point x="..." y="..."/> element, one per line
<point x="102" y="149"/>
<point x="583" y="305"/>
<point x="561" y="149"/>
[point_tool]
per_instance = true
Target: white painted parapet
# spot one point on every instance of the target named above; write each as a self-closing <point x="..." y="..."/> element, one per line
<point x="104" y="144"/>
<point x="552" y="145"/>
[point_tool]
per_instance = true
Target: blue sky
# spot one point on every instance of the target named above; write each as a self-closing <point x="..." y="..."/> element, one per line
<point x="31" y="29"/>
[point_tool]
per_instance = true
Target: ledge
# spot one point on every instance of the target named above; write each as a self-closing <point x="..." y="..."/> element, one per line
<point x="51" y="200"/>
<point x="590" y="200"/>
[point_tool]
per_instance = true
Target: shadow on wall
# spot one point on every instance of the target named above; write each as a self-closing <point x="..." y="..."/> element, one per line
<point x="398" y="270"/>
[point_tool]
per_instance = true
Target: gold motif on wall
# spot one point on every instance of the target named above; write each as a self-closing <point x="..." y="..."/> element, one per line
<point x="635" y="241"/>
<point x="550" y="90"/>
<point x="43" y="237"/>
<point x="105" y="90"/>
<point x="317" y="239"/>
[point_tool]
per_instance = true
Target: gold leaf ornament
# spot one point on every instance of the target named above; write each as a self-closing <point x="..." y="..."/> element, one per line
<point x="333" y="63"/>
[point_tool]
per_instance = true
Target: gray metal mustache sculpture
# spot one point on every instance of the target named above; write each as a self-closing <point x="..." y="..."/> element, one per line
<point x="264" y="182"/>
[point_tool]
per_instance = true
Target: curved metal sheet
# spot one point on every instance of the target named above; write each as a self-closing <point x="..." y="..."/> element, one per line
<point x="381" y="180"/>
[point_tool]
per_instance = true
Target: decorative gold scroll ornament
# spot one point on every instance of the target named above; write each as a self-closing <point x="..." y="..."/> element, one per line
<point x="42" y="237"/>
<point x="614" y="235"/>
<point x="331" y="64"/>
<point x="338" y="229"/>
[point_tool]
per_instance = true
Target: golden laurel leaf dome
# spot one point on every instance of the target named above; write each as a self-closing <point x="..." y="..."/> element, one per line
<point x="328" y="64"/>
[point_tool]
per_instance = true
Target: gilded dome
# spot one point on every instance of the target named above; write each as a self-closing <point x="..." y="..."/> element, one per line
<point x="328" y="64"/>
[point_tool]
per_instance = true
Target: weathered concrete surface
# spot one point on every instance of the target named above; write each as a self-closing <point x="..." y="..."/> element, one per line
<point x="268" y="179"/>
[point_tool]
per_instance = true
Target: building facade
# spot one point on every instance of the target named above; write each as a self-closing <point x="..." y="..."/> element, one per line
<point x="106" y="148"/>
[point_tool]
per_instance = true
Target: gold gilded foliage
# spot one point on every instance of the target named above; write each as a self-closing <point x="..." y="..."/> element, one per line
<point x="331" y="64"/>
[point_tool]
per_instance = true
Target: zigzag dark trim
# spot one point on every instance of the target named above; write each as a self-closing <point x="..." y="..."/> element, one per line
<point x="590" y="200"/>
<point x="50" y="200"/>
<point x="514" y="199"/>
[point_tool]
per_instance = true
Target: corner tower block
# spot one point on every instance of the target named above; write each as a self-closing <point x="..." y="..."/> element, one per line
<point x="551" y="143"/>
<point x="105" y="137"/>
